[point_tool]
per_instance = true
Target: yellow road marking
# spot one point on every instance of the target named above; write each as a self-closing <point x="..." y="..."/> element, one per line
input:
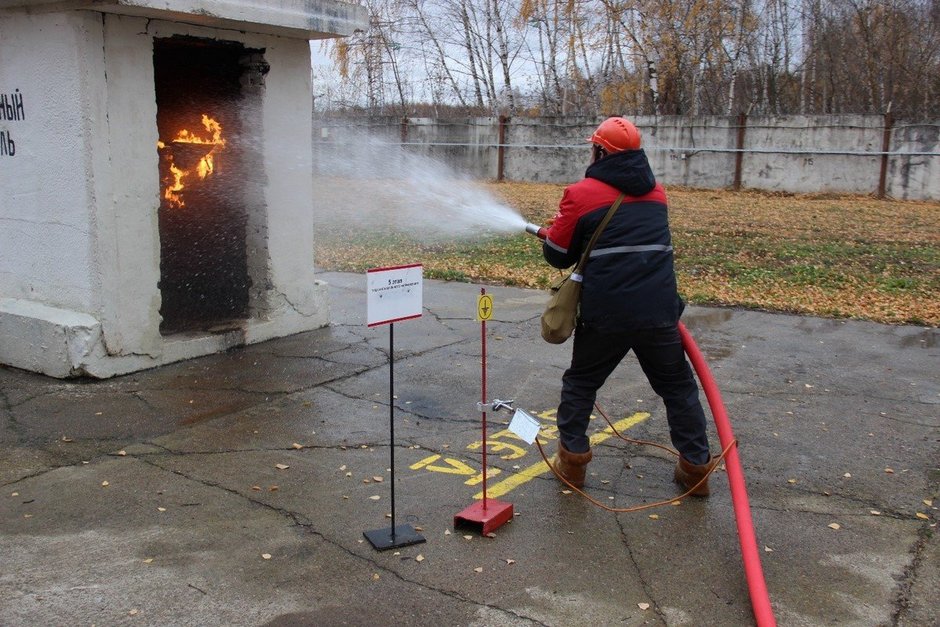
<point x="517" y="479"/>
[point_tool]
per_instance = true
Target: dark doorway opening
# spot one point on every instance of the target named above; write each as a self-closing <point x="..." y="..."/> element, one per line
<point x="204" y="277"/>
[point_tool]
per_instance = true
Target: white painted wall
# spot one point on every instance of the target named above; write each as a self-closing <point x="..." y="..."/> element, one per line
<point x="46" y="221"/>
<point x="289" y="192"/>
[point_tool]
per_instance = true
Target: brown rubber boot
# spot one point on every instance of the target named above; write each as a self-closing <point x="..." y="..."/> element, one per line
<point x="572" y="466"/>
<point x="688" y="475"/>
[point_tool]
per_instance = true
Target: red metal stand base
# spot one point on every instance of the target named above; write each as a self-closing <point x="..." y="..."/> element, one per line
<point x="485" y="516"/>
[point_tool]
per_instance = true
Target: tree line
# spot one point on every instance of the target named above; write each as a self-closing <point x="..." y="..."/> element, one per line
<point x="639" y="57"/>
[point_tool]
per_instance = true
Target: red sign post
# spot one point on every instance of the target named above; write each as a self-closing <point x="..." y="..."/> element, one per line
<point x="487" y="514"/>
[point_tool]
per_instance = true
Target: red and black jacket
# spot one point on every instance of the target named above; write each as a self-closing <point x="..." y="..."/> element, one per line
<point x="629" y="280"/>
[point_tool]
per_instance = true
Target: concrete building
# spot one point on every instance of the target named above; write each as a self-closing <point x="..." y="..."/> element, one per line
<point x="155" y="162"/>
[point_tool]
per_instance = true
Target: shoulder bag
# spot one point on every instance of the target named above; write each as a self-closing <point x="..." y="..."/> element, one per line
<point x="561" y="313"/>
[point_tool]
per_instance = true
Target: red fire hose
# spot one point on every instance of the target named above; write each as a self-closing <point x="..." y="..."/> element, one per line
<point x="757" y="587"/>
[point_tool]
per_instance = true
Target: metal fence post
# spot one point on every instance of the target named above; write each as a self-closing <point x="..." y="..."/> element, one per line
<point x="885" y="148"/>
<point x="739" y="155"/>
<point x="501" y="149"/>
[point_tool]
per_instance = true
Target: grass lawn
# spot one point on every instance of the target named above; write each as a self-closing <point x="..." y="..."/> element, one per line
<point x="837" y="256"/>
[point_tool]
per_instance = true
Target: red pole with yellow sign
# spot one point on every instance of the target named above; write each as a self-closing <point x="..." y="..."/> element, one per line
<point x="487" y="514"/>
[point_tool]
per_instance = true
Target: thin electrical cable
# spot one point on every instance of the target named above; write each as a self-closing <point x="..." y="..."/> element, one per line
<point x="636" y="508"/>
<point x="757" y="586"/>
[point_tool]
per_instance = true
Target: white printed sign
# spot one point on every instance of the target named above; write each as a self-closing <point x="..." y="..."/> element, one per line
<point x="394" y="294"/>
<point x="524" y="425"/>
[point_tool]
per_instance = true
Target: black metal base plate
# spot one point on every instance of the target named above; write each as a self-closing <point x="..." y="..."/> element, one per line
<point x="388" y="538"/>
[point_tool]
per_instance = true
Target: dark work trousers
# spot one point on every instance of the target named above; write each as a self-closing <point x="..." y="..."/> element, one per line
<point x="660" y="353"/>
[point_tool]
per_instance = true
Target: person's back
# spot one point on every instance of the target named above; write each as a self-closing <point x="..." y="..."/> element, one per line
<point x="629" y="280"/>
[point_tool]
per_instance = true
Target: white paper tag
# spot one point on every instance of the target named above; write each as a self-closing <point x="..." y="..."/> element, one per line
<point x="524" y="425"/>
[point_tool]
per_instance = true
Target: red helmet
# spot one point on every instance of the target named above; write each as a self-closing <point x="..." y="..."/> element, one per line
<point x="617" y="134"/>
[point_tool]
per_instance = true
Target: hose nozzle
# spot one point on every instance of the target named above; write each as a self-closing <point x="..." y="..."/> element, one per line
<point x="539" y="231"/>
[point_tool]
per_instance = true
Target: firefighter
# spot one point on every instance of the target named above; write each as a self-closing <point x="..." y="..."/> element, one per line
<point x="629" y="301"/>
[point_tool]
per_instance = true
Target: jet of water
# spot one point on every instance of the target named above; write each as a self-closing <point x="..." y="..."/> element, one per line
<point x="370" y="184"/>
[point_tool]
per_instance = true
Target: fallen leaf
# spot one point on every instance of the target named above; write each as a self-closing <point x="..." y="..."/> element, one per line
<point x="847" y="475"/>
<point x="105" y="483"/>
<point x="419" y="528"/>
<point x="375" y="576"/>
<point x="297" y="446"/>
<point x="478" y="569"/>
<point x="133" y="612"/>
<point x="767" y="549"/>
<point x="654" y="516"/>
<point x="676" y="503"/>
<point x="874" y="512"/>
<point x="491" y="535"/>
<point x="566" y="491"/>
<point x="835" y="526"/>
<point x="643" y="606"/>
<point x="447" y="532"/>
<point x="791" y="480"/>
<point x="122" y="453"/>
<point x="265" y="556"/>
<point x="890" y="471"/>
<point x="148" y="560"/>
<point x="374" y="497"/>
<point x="468" y="537"/>
<point x="273" y="488"/>
<point x="343" y="467"/>
<point x="15" y="494"/>
<point x="377" y="479"/>
<point x="256" y="488"/>
<point x="281" y="466"/>
<point x="419" y="558"/>
<point x="345" y="497"/>
<point x="161" y="509"/>
<point x="349" y="474"/>
<point x="605" y="481"/>
<point x="928" y="502"/>
<point x="67" y="439"/>
<point x="508" y="561"/>
<point x="922" y="516"/>
<point x="366" y="481"/>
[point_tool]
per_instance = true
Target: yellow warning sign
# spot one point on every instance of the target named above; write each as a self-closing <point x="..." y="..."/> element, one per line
<point x="484" y="307"/>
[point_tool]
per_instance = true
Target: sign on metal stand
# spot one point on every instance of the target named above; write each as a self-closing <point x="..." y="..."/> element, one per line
<point x="488" y="514"/>
<point x="393" y="295"/>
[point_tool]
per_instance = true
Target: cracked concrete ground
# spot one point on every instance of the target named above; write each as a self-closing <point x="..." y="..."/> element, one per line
<point x="156" y="498"/>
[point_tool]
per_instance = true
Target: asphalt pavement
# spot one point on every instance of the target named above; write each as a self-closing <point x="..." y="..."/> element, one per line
<point x="235" y="489"/>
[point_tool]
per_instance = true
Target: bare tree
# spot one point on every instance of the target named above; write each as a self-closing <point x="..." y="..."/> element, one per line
<point x="689" y="57"/>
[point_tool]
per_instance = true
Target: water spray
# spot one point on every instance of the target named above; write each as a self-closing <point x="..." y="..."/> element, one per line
<point x="539" y="231"/>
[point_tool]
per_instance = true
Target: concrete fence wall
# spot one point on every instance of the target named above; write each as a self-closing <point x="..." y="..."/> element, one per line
<point x="866" y="154"/>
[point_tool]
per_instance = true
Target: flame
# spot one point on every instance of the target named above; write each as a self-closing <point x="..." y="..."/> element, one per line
<point x="174" y="186"/>
<point x="172" y="190"/>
